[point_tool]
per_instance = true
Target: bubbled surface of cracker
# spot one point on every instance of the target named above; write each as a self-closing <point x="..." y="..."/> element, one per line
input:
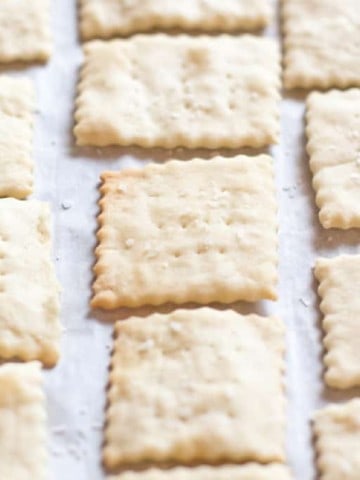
<point x="321" y="43"/>
<point x="337" y="431"/>
<point x="22" y="422"/>
<point x="16" y="134"/>
<point x="333" y="131"/>
<point x="25" y="31"/>
<point x="29" y="292"/>
<point x="107" y="18"/>
<point x="196" y="386"/>
<point x="339" y="283"/>
<point x="182" y="91"/>
<point x="198" y="231"/>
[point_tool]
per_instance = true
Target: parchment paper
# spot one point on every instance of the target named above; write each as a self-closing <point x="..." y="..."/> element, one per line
<point x="67" y="177"/>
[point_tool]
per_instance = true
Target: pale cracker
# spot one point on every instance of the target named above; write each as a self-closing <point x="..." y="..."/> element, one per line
<point x="16" y="133"/>
<point x="196" y="386"/>
<point x="29" y="303"/>
<point x="184" y="91"/>
<point x="339" y="279"/>
<point x="333" y="131"/>
<point x="322" y="43"/>
<point x="198" y="231"/>
<point x="249" y="471"/>
<point x="22" y="423"/>
<point x="25" y="31"/>
<point x="107" y="18"/>
<point x="337" y="430"/>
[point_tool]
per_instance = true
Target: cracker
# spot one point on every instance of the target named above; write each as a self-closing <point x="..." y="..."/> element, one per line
<point x="107" y="18"/>
<point x="227" y="472"/>
<point x="16" y="132"/>
<point x="163" y="91"/>
<point x="333" y="130"/>
<point x="24" y="31"/>
<point x="322" y="43"/>
<point x="337" y="430"/>
<point x="29" y="303"/>
<point x="22" y="423"/>
<point x="196" y="386"/>
<point x="198" y="231"/>
<point x="339" y="279"/>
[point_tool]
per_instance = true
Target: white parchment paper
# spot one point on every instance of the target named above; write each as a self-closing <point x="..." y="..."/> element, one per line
<point x="67" y="177"/>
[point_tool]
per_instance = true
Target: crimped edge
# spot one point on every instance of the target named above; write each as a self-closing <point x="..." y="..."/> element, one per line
<point x="278" y="327"/>
<point x="31" y="374"/>
<point x="334" y="219"/>
<point x="262" y="139"/>
<point x="268" y="292"/>
<point x="304" y="81"/>
<point x="26" y="347"/>
<point x="320" y="439"/>
<point x="210" y="24"/>
<point x="322" y="277"/>
<point x="23" y="190"/>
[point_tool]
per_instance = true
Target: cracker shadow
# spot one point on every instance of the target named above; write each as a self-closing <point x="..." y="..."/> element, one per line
<point x="159" y="155"/>
<point x="111" y="316"/>
<point x="329" y="394"/>
<point x="18" y="66"/>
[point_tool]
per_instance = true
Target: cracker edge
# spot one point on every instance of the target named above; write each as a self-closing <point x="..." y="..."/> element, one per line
<point x="33" y="370"/>
<point x="271" y="471"/>
<point x="253" y="142"/>
<point x="46" y="50"/>
<point x="302" y="81"/>
<point x="48" y="354"/>
<point x="320" y="440"/>
<point x="329" y="347"/>
<point x="23" y="192"/>
<point x="109" y="463"/>
<point x="343" y="221"/>
<point x="270" y="292"/>
<point x="260" y="22"/>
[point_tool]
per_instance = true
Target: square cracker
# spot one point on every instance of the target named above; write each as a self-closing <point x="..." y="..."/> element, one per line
<point x="16" y="133"/>
<point x="339" y="287"/>
<point x="163" y="91"/>
<point x="337" y="430"/>
<point x="333" y="131"/>
<point x="107" y="18"/>
<point x="250" y="471"/>
<point x="24" y="31"/>
<point x="322" y="43"/>
<point x="29" y="303"/>
<point x="196" y="386"/>
<point x="22" y="422"/>
<point x="199" y="231"/>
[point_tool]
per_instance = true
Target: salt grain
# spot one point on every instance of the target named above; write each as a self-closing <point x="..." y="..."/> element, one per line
<point x="147" y="345"/>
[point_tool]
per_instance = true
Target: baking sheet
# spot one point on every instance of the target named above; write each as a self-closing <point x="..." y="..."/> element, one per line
<point x="67" y="177"/>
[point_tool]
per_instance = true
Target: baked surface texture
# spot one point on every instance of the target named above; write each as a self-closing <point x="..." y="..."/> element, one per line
<point x="16" y="134"/>
<point x="196" y="386"/>
<point x="29" y="292"/>
<point x="321" y="43"/>
<point x="338" y="441"/>
<point x="22" y="423"/>
<point x="25" y="31"/>
<point x="339" y="283"/>
<point x="333" y="126"/>
<point x="107" y="18"/>
<point x="182" y="91"/>
<point x="197" y="231"/>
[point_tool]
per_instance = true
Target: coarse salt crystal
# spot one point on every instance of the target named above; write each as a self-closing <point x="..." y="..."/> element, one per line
<point x="129" y="242"/>
<point x="147" y="345"/>
<point x="175" y="326"/>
